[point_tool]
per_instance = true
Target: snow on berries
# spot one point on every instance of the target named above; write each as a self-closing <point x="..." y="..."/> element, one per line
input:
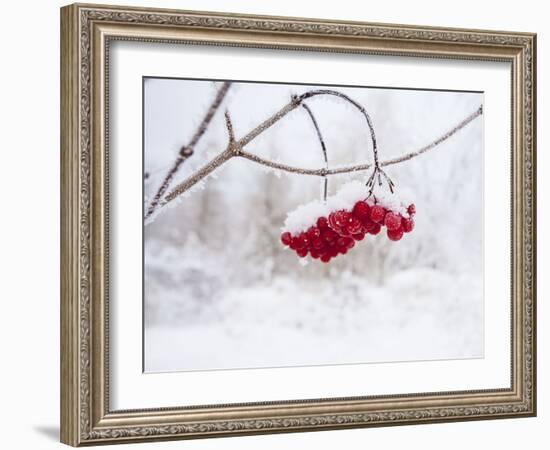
<point x="392" y="221"/>
<point x="377" y="213"/>
<point x="324" y="230"/>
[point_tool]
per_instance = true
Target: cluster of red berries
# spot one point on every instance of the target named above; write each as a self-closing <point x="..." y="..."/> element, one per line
<point x="337" y="234"/>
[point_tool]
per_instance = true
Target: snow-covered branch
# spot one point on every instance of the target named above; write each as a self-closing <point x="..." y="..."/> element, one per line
<point x="361" y="167"/>
<point x="235" y="148"/>
<point x="187" y="150"/>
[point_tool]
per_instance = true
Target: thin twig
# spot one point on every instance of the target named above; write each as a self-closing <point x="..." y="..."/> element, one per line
<point x="236" y="149"/>
<point x="439" y="140"/>
<point x="203" y="172"/>
<point x="269" y="122"/>
<point x="229" y="125"/>
<point x="360" y="107"/>
<point x="318" y="131"/>
<point x="287" y="168"/>
<point x="323" y="146"/>
<point x="377" y="173"/>
<point x="187" y="150"/>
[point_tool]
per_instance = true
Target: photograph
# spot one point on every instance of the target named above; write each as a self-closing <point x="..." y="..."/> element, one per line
<point x="291" y="225"/>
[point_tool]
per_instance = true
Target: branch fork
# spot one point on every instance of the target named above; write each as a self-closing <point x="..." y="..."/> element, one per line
<point x="235" y="148"/>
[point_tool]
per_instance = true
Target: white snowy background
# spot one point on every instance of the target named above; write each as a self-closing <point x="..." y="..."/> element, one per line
<point x="220" y="290"/>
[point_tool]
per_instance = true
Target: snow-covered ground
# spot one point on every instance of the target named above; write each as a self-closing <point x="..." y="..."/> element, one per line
<point x="278" y="325"/>
<point x="221" y="291"/>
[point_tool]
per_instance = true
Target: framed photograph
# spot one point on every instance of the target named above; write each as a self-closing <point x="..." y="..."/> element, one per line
<point x="275" y="224"/>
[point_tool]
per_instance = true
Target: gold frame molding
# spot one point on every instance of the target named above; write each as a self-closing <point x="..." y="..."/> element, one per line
<point x="86" y="31"/>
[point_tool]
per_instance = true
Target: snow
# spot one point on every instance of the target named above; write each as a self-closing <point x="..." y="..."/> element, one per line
<point x="304" y="216"/>
<point x="254" y="327"/>
<point x="220" y="290"/>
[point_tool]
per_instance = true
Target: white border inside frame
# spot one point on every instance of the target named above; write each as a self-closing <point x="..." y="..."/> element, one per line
<point x="132" y="389"/>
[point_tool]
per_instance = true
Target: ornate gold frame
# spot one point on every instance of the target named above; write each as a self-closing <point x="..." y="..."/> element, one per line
<point x="86" y="31"/>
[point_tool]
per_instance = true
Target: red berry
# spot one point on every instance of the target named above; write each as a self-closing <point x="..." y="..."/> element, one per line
<point x="302" y="241"/>
<point x="411" y="209"/>
<point x="377" y="213"/>
<point x="338" y="220"/>
<point x="333" y="221"/>
<point x="333" y="252"/>
<point x="325" y="257"/>
<point x="313" y="233"/>
<point x="341" y="220"/>
<point x="392" y="221"/>
<point x="344" y="231"/>
<point x="367" y="225"/>
<point x="286" y="237"/>
<point x="329" y="235"/>
<point x="299" y="242"/>
<point x="343" y="250"/>
<point x="322" y="223"/>
<point x="375" y="229"/>
<point x="361" y="210"/>
<point x="301" y="252"/>
<point x="407" y="224"/>
<point x="359" y="236"/>
<point x="354" y="226"/>
<point x="315" y="253"/>
<point x="395" y="235"/>
<point x="342" y="242"/>
<point x="318" y="243"/>
<point x="345" y="242"/>
<point x="345" y="217"/>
